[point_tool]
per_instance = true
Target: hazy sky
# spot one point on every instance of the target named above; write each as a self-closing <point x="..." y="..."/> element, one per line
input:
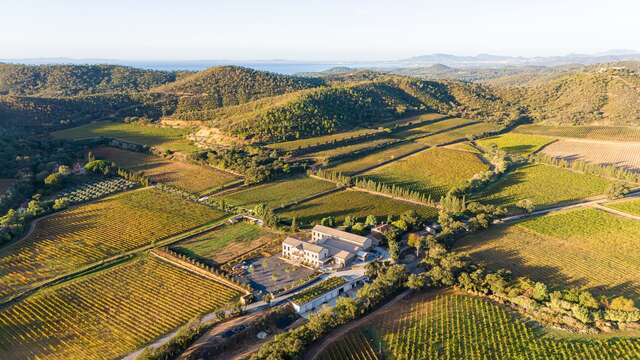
<point x="312" y="29"/>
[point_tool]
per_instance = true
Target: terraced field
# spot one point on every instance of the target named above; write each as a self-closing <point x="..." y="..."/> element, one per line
<point x="352" y="203"/>
<point x="96" y="231"/>
<point x="164" y="138"/>
<point x="456" y="134"/>
<point x="545" y="185"/>
<point x="518" y="144"/>
<point x="621" y="154"/>
<point x="430" y="127"/>
<point x="433" y="171"/>
<point x="584" y="247"/>
<point x="190" y="177"/>
<point x="108" y="314"/>
<point x="228" y="242"/>
<point x="377" y="158"/>
<point x="279" y="193"/>
<point x="304" y="143"/>
<point x="616" y="133"/>
<point x="629" y="206"/>
<point x="452" y="326"/>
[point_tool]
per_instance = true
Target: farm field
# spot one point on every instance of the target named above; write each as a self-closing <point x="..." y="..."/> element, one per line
<point x="348" y="149"/>
<point x="162" y="137"/>
<point x="437" y="125"/>
<point x="544" y="185"/>
<point x="5" y="184"/>
<point x="453" y="326"/>
<point x="433" y="171"/>
<point x="88" y="233"/>
<point x="374" y="159"/>
<point x="353" y="203"/>
<point x="459" y="133"/>
<point x="621" y="154"/>
<point x="190" y="177"/>
<point x="629" y="206"/>
<point x="463" y="146"/>
<point x="108" y="314"/>
<point x="224" y="244"/>
<point x="581" y="248"/>
<point x="413" y="120"/>
<point x="303" y="143"/>
<point x="616" y="133"/>
<point x="518" y="144"/>
<point x="278" y="193"/>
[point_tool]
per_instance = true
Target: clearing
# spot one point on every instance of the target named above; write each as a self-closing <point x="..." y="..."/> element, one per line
<point x="517" y="144"/>
<point x="226" y="243"/>
<point x="544" y="185"/>
<point x="164" y="138"/>
<point x="66" y="241"/>
<point x="581" y="248"/>
<point x="190" y="177"/>
<point x="108" y="314"/>
<point x="621" y="154"/>
<point x="352" y="203"/>
<point x="456" y="326"/>
<point x="279" y="193"/>
<point x="433" y="171"/>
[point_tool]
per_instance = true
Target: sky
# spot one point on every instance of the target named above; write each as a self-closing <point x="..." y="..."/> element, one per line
<point x="313" y="30"/>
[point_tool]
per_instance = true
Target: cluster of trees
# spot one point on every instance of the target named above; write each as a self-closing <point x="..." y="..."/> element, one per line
<point x="333" y="176"/>
<point x="606" y="170"/>
<point x="106" y="168"/>
<point x="500" y="161"/>
<point x="394" y="190"/>
<point x="14" y="223"/>
<point x="387" y="280"/>
<point x="268" y="216"/>
<point x="257" y="164"/>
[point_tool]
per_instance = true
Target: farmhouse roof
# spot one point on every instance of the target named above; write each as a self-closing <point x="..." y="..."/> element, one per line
<point x="312" y="247"/>
<point x="343" y="235"/>
<point x="292" y="241"/>
<point x="344" y="255"/>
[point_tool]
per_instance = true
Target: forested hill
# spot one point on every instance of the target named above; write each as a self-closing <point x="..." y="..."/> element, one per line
<point x="343" y="106"/>
<point x="73" y="80"/>
<point x="232" y="85"/>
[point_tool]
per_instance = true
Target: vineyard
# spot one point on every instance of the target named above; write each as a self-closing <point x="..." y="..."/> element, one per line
<point x="457" y="134"/>
<point x="107" y="315"/>
<point x="319" y="140"/>
<point x="349" y="149"/>
<point x="616" y="133"/>
<point x="631" y="207"/>
<point x="432" y="171"/>
<point x="190" y="177"/>
<point x="352" y="203"/>
<point x="582" y="248"/>
<point x="431" y="127"/>
<point x="226" y="243"/>
<point x="519" y="144"/>
<point x="96" y="189"/>
<point x="95" y="231"/>
<point x="279" y="193"/>
<point x="162" y="137"/>
<point x="545" y="186"/>
<point x="462" y="327"/>
<point x="377" y="158"/>
<point x="621" y="154"/>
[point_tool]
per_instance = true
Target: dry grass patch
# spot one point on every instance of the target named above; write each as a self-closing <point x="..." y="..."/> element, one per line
<point x="622" y="154"/>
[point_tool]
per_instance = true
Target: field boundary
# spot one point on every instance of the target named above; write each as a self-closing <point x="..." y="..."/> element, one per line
<point x="355" y="188"/>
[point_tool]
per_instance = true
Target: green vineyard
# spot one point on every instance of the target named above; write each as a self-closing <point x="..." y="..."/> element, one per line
<point x="464" y="327"/>
<point x="89" y="233"/>
<point x="109" y="314"/>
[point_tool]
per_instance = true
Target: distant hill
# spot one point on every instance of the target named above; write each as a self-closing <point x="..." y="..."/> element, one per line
<point x="74" y="80"/>
<point x="232" y="85"/>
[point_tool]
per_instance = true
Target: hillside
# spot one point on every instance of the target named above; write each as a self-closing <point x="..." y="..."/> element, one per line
<point x="343" y="106"/>
<point x="72" y="80"/>
<point x="231" y="85"/>
<point x="598" y="96"/>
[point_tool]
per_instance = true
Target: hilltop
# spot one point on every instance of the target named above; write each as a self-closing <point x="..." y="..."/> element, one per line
<point x="232" y="85"/>
<point x="73" y="80"/>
